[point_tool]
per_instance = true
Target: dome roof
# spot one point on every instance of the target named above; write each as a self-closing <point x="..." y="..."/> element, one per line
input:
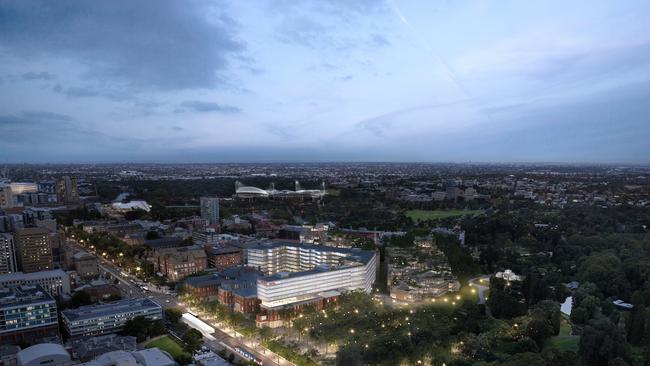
<point x="252" y="190"/>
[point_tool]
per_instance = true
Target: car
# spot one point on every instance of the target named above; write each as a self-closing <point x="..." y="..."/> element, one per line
<point x="167" y="300"/>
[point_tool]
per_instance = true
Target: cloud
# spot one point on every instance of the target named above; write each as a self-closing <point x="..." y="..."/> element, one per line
<point x="207" y="107"/>
<point x="37" y="76"/>
<point x="160" y="45"/>
<point x="177" y="128"/>
<point x="378" y="40"/>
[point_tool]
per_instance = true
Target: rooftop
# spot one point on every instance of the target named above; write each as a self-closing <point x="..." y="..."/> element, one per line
<point x="115" y="307"/>
<point x="23" y="295"/>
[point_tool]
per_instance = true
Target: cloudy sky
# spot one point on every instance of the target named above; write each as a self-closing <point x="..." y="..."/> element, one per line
<point x="328" y="80"/>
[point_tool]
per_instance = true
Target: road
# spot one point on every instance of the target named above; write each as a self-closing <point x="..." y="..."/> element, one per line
<point x="482" y="284"/>
<point x="167" y="300"/>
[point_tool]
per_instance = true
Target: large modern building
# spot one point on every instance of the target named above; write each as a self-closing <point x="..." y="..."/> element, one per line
<point x="56" y="282"/>
<point x="298" y="275"/>
<point x="210" y="210"/>
<point x="27" y="313"/>
<point x="66" y="190"/>
<point x="107" y="318"/>
<point x="7" y="254"/>
<point x="33" y="249"/>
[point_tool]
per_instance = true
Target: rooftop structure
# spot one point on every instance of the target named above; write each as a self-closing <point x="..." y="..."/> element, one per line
<point x="145" y="357"/>
<point x="50" y="354"/>
<point x="107" y="318"/>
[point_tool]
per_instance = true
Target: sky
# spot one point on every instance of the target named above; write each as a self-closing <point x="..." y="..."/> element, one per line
<point x="327" y="80"/>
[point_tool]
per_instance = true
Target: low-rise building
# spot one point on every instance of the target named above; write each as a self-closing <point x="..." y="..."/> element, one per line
<point x="178" y="263"/>
<point x="50" y="354"/>
<point x="107" y="318"/>
<point x="87" y="349"/>
<point x="27" y="313"/>
<point x="145" y="357"/>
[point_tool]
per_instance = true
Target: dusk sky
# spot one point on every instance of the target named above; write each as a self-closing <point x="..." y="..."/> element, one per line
<point x="329" y="80"/>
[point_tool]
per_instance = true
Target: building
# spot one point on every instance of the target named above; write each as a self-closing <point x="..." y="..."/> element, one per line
<point x="297" y="275"/>
<point x="238" y="289"/>
<point x="210" y="210"/>
<point x="85" y="264"/>
<point x="107" y="318"/>
<point x="87" y="349"/>
<point x="8" y="354"/>
<point x="33" y="250"/>
<point x="178" y="263"/>
<point x="50" y="354"/>
<point x="222" y="258"/>
<point x="27" y="313"/>
<point x="56" y="282"/>
<point x="203" y="287"/>
<point x="7" y="254"/>
<point x="101" y="292"/>
<point x="145" y="357"/>
<point x="67" y="190"/>
<point x="209" y="236"/>
<point x="6" y="197"/>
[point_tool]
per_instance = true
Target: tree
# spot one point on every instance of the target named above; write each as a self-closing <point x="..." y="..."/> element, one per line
<point x="636" y="321"/>
<point x="173" y="315"/>
<point x="193" y="340"/>
<point x="80" y="298"/>
<point x="601" y="341"/>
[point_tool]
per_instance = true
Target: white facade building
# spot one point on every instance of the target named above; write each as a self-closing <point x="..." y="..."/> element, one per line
<point x="298" y="273"/>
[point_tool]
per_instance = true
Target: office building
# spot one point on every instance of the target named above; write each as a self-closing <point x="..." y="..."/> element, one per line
<point x="7" y="254"/>
<point x="203" y="287"/>
<point x="107" y="318"/>
<point x="209" y="236"/>
<point x="298" y="275"/>
<point x="56" y="282"/>
<point x="33" y="250"/>
<point x="178" y="263"/>
<point x="210" y="210"/>
<point x="27" y="313"/>
<point x="67" y="190"/>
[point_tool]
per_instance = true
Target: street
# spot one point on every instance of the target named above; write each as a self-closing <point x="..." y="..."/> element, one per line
<point x="131" y="289"/>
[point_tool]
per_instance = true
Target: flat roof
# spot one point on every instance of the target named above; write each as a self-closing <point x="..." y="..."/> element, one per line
<point x="10" y="277"/>
<point x="115" y="307"/>
<point x="12" y="296"/>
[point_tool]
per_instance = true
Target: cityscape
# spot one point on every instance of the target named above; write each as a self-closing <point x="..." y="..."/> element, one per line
<point x="324" y="182"/>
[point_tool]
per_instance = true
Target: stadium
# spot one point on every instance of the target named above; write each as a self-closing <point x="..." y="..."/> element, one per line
<point x="242" y="191"/>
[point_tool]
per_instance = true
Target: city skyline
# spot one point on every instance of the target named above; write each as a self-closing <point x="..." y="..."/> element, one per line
<point x="372" y="80"/>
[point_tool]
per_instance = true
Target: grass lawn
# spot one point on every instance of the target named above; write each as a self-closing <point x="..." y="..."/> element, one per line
<point x="423" y="215"/>
<point x="564" y="341"/>
<point x="167" y="344"/>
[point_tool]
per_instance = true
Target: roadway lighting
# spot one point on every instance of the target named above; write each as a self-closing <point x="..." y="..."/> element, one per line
<point x="473" y="291"/>
<point x="356" y="311"/>
<point x="453" y="302"/>
<point x="366" y="346"/>
<point x="446" y="299"/>
<point x="457" y="297"/>
<point x="411" y="311"/>
<point x="121" y="254"/>
<point x="351" y="331"/>
<point x="433" y="300"/>
<point x="137" y="268"/>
